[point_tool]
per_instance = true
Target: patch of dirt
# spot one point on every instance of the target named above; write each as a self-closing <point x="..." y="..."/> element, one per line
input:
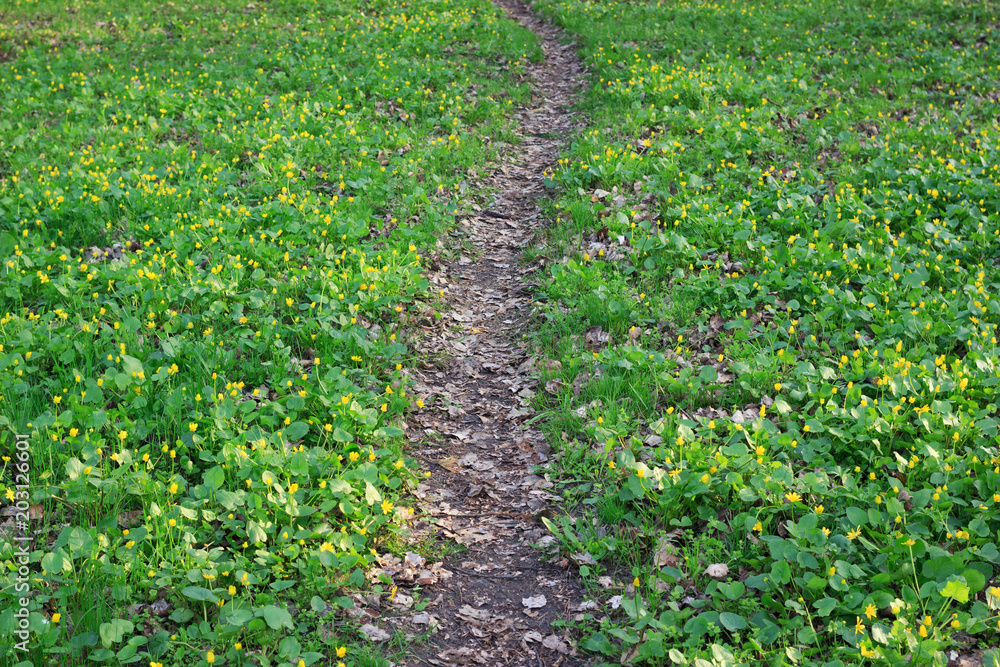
<point x="498" y="605"/>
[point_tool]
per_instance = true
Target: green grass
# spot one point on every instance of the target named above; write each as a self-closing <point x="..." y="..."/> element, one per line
<point x="790" y="211"/>
<point x="212" y="222"/>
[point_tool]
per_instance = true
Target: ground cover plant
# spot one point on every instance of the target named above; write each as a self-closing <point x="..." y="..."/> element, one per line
<point x="213" y="220"/>
<point x="770" y="322"/>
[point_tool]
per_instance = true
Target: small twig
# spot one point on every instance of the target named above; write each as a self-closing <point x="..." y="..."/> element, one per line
<point x="510" y="515"/>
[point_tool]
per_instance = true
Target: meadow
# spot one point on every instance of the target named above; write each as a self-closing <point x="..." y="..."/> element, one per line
<point x="213" y="226"/>
<point x="770" y="320"/>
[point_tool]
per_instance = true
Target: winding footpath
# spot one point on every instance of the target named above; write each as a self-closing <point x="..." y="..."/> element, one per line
<point x="498" y="605"/>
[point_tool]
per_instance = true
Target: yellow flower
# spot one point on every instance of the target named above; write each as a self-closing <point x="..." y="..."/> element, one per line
<point x="210" y="657"/>
<point x="793" y="497"/>
<point x="871" y="611"/>
<point x="853" y="534"/>
<point x="386" y="507"/>
<point x="859" y="627"/>
<point x="192" y="427"/>
<point x="56" y="617"/>
<point x="341" y="651"/>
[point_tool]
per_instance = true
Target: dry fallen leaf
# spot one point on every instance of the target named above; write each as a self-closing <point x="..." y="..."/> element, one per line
<point x="717" y="570"/>
<point x="553" y="642"/>
<point x="553" y="386"/>
<point x="472" y="614"/>
<point x="374" y="633"/>
<point x="666" y="555"/>
<point x="534" y="602"/>
<point x="533" y="636"/>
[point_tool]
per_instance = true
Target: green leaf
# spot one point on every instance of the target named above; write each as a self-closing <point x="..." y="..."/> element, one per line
<point x="975" y="579"/>
<point x="732" y="622"/>
<point x="372" y="495"/>
<point x="340" y="435"/>
<point x="825" y="606"/>
<point x="340" y="486"/>
<point x="598" y="643"/>
<point x="215" y="478"/>
<point x="857" y="516"/>
<point x="677" y="657"/>
<point x="296" y="430"/>
<point x="113" y="632"/>
<point x="199" y="593"/>
<point x="56" y="562"/>
<point x="276" y="617"/>
<point x="957" y="590"/>
<point x="256" y="532"/>
<point x="939" y="568"/>
<point x="733" y="590"/>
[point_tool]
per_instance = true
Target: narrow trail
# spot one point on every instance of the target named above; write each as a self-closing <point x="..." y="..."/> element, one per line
<point x="472" y="436"/>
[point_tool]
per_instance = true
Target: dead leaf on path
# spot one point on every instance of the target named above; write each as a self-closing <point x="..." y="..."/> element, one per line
<point x="553" y="642"/>
<point x="579" y="382"/>
<point x="583" y="558"/>
<point x="465" y="656"/>
<point x="449" y="463"/>
<point x="533" y="636"/>
<point x="474" y="534"/>
<point x="473" y="615"/>
<point x="473" y="461"/>
<point x="374" y="633"/>
<point x="606" y="582"/>
<point x="553" y="386"/>
<point x="534" y="602"/>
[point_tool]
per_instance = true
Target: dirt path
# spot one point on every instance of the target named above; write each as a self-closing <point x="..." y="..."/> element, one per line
<point x="472" y="436"/>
